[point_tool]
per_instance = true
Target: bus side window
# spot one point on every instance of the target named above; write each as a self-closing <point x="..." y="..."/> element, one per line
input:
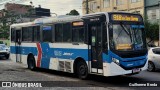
<point x="47" y="33"/>
<point x="13" y="35"/>
<point x="67" y="33"/>
<point x="78" y="34"/>
<point x="105" y="43"/>
<point x="36" y="33"/>
<point x="58" y="32"/>
<point x="25" y="34"/>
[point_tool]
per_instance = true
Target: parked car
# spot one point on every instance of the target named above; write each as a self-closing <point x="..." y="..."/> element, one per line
<point x="4" y="51"/>
<point x="154" y="59"/>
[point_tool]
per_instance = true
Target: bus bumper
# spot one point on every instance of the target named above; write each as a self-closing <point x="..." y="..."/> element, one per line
<point x="112" y="69"/>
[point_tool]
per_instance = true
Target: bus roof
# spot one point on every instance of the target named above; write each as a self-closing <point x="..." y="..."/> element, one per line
<point x="61" y="18"/>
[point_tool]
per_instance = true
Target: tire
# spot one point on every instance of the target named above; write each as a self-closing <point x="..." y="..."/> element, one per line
<point x="151" y="66"/>
<point x="7" y="56"/>
<point x="82" y="70"/>
<point x="31" y="63"/>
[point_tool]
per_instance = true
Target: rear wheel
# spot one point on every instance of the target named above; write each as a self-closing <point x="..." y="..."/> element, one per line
<point x="31" y="63"/>
<point x="151" y="66"/>
<point x="82" y="70"/>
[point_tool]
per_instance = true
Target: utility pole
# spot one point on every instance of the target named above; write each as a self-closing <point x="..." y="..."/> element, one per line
<point x="87" y="9"/>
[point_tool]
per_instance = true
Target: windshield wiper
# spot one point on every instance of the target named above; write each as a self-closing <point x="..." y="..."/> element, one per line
<point x="128" y="33"/>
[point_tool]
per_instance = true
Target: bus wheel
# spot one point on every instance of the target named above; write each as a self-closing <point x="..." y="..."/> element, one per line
<point x="31" y="63"/>
<point x="82" y="70"/>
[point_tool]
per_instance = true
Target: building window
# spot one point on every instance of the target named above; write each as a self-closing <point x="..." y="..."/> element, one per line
<point x="106" y="3"/>
<point x="93" y="5"/>
<point x="119" y="2"/>
<point x="153" y="14"/>
<point x="134" y="1"/>
<point x="136" y="12"/>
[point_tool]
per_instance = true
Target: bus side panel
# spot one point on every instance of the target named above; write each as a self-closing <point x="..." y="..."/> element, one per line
<point x="28" y="48"/>
<point x="62" y="56"/>
<point x="12" y="51"/>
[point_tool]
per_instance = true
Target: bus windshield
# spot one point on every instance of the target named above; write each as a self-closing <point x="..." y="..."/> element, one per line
<point x="127" y="37"/>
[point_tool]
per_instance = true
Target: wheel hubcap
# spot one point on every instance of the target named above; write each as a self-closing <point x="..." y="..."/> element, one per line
<point x="150" y="66"/>
<point x="82" y="70"/>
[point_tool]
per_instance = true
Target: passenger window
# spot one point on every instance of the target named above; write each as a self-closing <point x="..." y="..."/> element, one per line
<point x="13" y="33"/>
<point x="36" y="35"/>
<point x="78" y="34"/>
<point x="47" y="33"/>
<point x="67" y="32"/>
<point x="59" y="33"/>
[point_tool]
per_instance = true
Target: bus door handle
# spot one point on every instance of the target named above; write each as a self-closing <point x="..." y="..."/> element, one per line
<point x="75" y="43"/>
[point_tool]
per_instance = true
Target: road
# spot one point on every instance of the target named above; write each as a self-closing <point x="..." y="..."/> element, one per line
<point x="10" y="71"/>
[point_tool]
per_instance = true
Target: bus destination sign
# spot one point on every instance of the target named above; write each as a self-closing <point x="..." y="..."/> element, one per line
<point x="126" y="17"/>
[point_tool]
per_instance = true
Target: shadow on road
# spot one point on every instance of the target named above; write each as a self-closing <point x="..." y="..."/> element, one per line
<point x="4" y="59"/>
<point x="96" y="80"/>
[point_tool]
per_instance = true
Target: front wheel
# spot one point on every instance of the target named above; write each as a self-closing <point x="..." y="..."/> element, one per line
<point x="31" y="63"/>
<point x="82" y="70"/>
<point x="151" y="66"/>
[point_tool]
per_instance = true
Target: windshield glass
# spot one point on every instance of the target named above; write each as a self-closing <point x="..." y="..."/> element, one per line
<point x="127" y="37"/>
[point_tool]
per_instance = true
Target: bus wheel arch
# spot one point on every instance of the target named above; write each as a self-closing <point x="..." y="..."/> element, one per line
<point x="80" y="68"/>
<point x="31" y="62"/>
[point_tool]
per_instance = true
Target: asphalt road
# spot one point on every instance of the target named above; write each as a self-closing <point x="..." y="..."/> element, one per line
<point x="10" y="71"/>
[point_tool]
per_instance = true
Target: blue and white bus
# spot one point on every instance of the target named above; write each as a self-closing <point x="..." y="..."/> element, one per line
<point x="106" y="43"/>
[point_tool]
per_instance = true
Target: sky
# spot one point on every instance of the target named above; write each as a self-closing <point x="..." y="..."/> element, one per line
<point x="60" y="7"/>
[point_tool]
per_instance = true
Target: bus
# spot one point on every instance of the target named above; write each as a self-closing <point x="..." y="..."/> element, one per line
<point x="105" y="43"/>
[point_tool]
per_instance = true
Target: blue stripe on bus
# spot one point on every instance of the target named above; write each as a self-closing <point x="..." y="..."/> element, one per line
<point x="72" y="54"/>
<point x="128" y="62"/>
<point x="137" y="26"/>
<point x="47" y="53"/>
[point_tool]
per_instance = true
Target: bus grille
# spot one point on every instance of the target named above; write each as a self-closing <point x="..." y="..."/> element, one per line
<point x="65" y="66"/>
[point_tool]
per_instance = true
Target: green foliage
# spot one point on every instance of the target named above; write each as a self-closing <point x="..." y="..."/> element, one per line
<point x="5" y="23"/>
<point x="152" y="30"/>
<point x="73" y="12"/>
<point x="10" y="18"/>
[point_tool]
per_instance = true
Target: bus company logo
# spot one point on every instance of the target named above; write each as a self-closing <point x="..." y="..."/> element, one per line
<point x="6" y="84"/>
<point x="67" y="54"/>
<point x="58" y="53"/>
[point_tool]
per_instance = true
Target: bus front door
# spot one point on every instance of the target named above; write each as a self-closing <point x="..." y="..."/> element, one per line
<point x="96" y="48"/>
<point x="18" y="46"/>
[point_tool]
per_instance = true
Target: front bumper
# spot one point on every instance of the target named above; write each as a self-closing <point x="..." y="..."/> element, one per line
<point x="4" y="53"/>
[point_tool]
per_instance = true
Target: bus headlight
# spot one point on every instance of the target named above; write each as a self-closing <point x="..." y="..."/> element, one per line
<point x="115" y="60"/>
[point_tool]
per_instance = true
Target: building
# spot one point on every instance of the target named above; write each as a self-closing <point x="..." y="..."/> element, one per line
<point x="133" y="6"/>
<point x="152" y="8"/>
<point x="18" y="10"/>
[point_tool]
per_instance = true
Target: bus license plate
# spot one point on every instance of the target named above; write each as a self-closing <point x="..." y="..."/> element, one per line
<point x="136" y="70"/>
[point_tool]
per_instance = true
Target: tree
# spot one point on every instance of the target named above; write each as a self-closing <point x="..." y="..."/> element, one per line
<point x="5" y="23"/>
<point x="11" y="17"/>
<point x="152" y="31"/>
<point x="73" y="12"/>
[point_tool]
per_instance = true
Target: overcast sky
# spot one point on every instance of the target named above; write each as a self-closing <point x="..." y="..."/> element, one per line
<point x="59" y="7"/>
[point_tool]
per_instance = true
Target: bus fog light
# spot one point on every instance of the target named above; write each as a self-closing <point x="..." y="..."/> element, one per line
<point x="115" y="60"/>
